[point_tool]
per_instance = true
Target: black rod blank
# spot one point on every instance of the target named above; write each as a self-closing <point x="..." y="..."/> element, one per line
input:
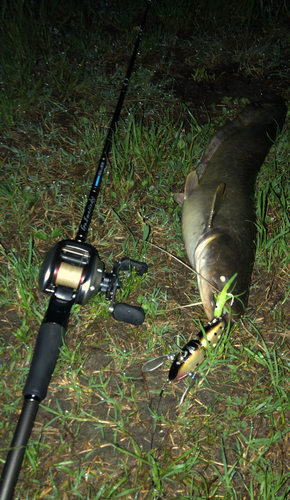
<point x="17" y="449"/>
<point x="88" y="212"/>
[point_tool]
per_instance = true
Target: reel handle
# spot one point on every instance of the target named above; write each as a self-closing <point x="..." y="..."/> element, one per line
<point x="134" y="315"/>
<point x="127" y="264"/>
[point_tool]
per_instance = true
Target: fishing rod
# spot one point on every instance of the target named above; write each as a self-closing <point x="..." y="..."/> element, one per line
<point x="73" y="273"/>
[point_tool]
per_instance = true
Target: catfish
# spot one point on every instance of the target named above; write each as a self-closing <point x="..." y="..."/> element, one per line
<point x="218" y="215"/>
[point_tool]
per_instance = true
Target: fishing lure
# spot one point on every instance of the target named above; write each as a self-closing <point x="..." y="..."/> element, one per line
<point x="190" y="357"/>
<point x="193" y="353"/>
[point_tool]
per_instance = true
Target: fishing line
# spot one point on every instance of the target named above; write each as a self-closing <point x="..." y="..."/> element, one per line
<point x="185" y="265"/>
<point x="155" y="421"/>
<point x="219" y="293"/>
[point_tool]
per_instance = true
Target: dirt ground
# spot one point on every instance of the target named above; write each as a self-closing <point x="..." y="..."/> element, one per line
<point x="176" y="429"/>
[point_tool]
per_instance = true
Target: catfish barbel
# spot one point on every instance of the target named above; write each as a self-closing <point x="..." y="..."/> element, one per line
<point x="218" y="216"/>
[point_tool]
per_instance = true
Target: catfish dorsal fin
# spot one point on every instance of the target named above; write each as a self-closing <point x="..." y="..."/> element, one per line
<point x="190" y="184"/>
<point x="217" y="202"/>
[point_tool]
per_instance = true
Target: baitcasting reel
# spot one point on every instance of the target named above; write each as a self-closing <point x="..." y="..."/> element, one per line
<point x="73" y="270"/>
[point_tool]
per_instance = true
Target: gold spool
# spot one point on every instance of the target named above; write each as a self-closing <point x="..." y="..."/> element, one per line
<point x="69" y="276"/>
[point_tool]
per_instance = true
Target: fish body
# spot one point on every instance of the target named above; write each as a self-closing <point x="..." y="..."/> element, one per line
<point x="218" y="217"/>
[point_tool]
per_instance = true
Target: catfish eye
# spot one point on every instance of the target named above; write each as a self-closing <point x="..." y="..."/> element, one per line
<point x="224" y="279"/>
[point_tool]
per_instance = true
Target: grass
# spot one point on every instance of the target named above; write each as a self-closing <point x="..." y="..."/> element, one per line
<point x="61" y="70"/>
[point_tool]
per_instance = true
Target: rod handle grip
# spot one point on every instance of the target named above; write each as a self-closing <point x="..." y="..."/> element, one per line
<point x="49" y="341"/>
<point x="134" y="315"/>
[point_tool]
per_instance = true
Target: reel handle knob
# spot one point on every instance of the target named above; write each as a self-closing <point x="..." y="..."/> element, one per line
<point x="134" y="315"/>
<point x="127" y="264"/>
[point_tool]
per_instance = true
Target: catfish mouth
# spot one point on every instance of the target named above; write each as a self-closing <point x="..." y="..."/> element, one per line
<point x="206" y="285"/>
<point x="207" y="296"/>
<point x="208" y="290"/>
<point x="207" y="261"/>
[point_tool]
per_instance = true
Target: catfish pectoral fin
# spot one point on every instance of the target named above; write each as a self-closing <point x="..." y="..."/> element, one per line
<point x="179" y="198"/>
<point x="190" y="184"/>
<point x="217" y="202"/>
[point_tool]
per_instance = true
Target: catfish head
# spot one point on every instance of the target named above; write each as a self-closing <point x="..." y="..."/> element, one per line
<point x="218" y="258"/>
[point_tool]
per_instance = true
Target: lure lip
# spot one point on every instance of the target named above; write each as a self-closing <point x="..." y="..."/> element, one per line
<point x="154" y="363"/>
